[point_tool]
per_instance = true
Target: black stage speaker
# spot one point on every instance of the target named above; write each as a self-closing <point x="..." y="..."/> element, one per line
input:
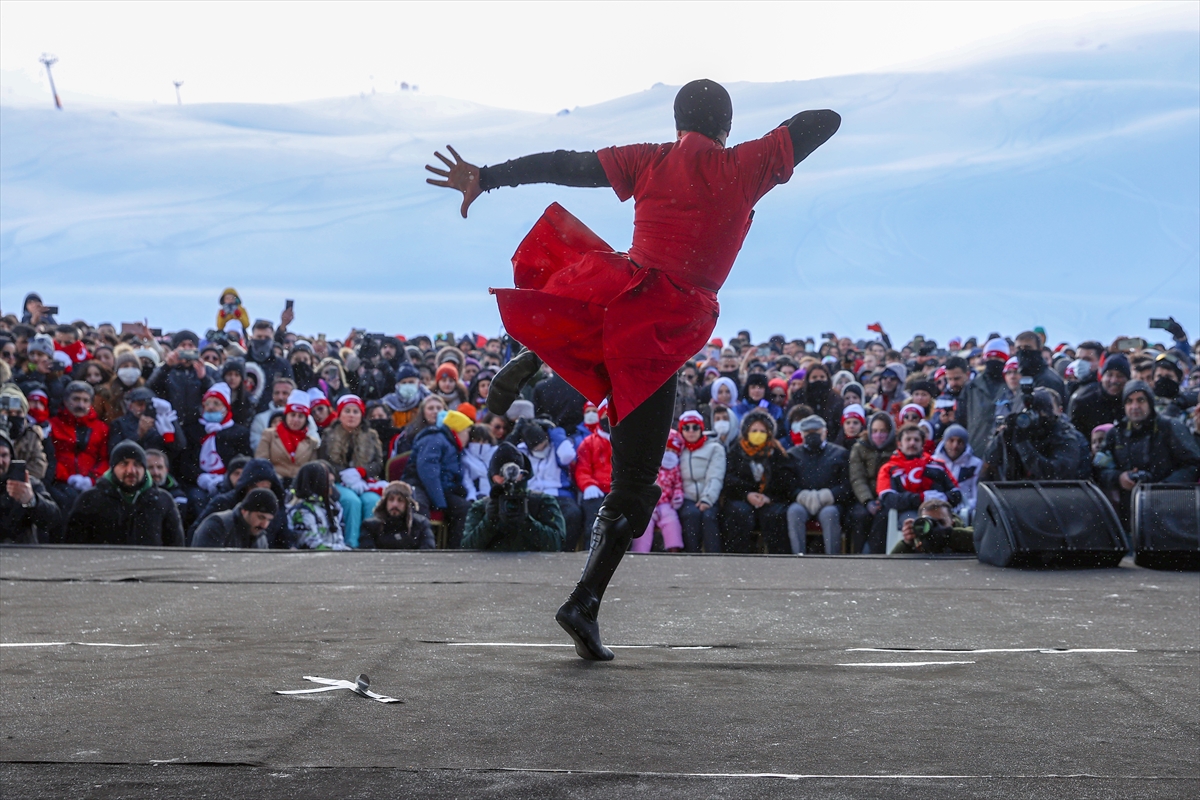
<point x="1047" y="524"/>
<point x="1166" y="526"/>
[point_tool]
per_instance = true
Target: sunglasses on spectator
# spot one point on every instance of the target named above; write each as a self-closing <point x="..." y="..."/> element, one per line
<point x="778" y="396"/>
<point x="691" y="426"/>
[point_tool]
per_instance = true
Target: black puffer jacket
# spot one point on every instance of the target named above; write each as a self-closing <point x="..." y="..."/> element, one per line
<point x="256" y="469"/>
<point x="827" y="468"/>
<point x="1092" y="406"/>
<point x="1162" y="447"/>
<point x="778" y="480"/>
<point x="395" y="533"/>
<point x="106" y="515"/>
<point x="27" y="525"/>
<point x="1064" y="455"/>
<point x="180" y="387"/>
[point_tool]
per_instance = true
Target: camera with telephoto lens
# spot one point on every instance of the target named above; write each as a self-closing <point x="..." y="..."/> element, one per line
<point x="1024" y="419"/>
<point x="923" y="526"/>
<point x="514" y="502"/>
<point x="1140" y="476"/>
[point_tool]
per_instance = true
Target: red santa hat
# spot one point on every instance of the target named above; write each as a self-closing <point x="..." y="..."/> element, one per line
<point x="222" y="393"/>
<point x="38" y="394"/>
<point x="996" y="348"/>
<point x="317" y="398"/>
<point x="351" y="400"/>
<point x="855" y="411"/>
<point x="912" y="407"/>
<point x="939" y="373"/>
<point x="297" y="402"/>
<point x="1011" y="365"/>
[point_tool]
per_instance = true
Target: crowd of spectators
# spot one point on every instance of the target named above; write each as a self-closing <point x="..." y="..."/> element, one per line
<point x="254" y="435"/>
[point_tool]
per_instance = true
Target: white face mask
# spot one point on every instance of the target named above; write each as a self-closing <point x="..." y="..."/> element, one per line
<point x="670" y="460"/>
<point x="129" y="375"/>
<point x="721" y="426"/>
<point x="591" y="418"/>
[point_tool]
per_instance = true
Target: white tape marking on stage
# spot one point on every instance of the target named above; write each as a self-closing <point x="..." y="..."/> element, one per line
<point x="64" y="644"/>
<point x="1047" y="650"/>
<point x="611" y="646"/>
<point x="906" y="664"/>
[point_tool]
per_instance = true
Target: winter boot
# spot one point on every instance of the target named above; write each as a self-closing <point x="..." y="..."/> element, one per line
<point x="611" y="536"/>
<point x="506" y="386"/>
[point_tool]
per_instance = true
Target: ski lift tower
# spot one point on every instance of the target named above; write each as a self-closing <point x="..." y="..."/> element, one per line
<point x="48" y="61"/>
<point x="178" y="99"/>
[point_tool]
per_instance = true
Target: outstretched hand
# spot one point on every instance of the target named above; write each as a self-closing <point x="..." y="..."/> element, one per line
<point x="462" y="176"/>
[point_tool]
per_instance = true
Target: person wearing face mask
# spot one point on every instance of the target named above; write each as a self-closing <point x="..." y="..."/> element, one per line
<point x="666" y="513"/>
<point x="331" y="379"/>
<point x="302" y="359"/>
<point x="702" y="463"/>
<point x="408" y="395"/>
<point x="262" y="352"/>
<point x="1100" y="402"/>
<point x="593" y="467"/>
<point x="760" y="481"/>
<point x="795" y="431"/>
<point x="1038" y="444"/>
<point x="476" y="456"/>
<point x="25" y="436"/>
<point x="354" y="450"/>
<point x="218" y="440"/>
<point x="820" y="396"/>
<point x="435" y="471"/>
<point x="289" y="445"/>
<point x="725" y="425"/>
<point x="822" y="487"/>
<point x="109" y="403"/>
<point x="873" y="449"/>
<point x="552" y="454"/>
<point x="1169" y="401"/>
<point x="1032" y="365"/>
<point x="977" y="403"/>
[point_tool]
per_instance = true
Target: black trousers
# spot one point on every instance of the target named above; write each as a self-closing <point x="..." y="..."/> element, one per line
<point x="637" y="442"/>
<point x="740" y="519"/>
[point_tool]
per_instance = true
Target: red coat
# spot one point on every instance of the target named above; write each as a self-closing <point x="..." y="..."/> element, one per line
<point x="593" y="463"/>
<point x="916" y="475"/>
<point x="617" y="324"/>
<point x="92" y="460"/>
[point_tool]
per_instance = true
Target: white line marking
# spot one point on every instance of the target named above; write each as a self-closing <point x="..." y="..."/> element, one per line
<point x="791" y="776"/>
<point x="611" y="646"/>
<point x="64" y="644"/>
<point x="1048" y="650"/>
<point x="906" y="664"/>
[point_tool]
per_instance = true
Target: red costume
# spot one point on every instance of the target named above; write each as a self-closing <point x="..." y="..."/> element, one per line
<point x="914" y="475"/>
<point x="622" y="324"/>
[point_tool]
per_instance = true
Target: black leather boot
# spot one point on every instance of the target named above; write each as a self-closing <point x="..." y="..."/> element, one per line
<point x="611" y="536"/>
<point x="506" y="386"/>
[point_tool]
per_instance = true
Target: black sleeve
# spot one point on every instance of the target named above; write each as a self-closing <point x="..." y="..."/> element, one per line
<point x="564" y="167"/>
<point x="810" y="130"/>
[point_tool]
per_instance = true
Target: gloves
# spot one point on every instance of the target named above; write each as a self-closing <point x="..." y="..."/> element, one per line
<point x="908" y="501"/>
<point x="376" y="486"/>
<point x="592" y="493"/>
<point x="512" y="511"/>
<point x="352" y="480"/>
<point x="824" y="497"/>
<point x="164" y="423"/>
<point x="1175" y="329"/>
<point x="954" y="497"/>
<point x="80" y="482"/>
<point x="808" y="498"/>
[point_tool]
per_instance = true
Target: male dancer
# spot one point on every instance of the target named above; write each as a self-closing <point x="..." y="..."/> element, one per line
<point x="620" y="325"/>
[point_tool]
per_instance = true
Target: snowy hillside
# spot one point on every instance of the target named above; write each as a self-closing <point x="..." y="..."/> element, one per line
<point x="1061" y="190"/>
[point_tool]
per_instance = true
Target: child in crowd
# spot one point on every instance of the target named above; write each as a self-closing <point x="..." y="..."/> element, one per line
<point x="666" y="513"/>
<point x="313" y="514"/>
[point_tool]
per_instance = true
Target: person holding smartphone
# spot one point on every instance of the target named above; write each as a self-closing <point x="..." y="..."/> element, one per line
<point x="27" y="511"/>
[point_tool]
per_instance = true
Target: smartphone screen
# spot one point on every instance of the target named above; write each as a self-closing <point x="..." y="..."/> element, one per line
<point x="288" y="304"/>
<point x="16" y="472"/>
<point x="1160" y="323"/>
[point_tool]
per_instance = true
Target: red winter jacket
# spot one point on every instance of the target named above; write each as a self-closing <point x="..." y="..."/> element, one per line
<point x="593" y="463"/>
<point x="916" y="475"/>
<point x="68" y="433"/>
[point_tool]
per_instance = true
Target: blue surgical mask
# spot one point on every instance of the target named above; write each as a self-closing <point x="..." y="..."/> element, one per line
<point x="407" y="391"/>
<point x="214" y="416"/>
<point x="441" y="417"/>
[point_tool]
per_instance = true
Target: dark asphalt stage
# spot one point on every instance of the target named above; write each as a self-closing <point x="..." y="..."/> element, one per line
<point x="746" y="683"/>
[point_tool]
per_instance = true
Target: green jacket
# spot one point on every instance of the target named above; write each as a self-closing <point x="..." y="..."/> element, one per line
<point x="543" y="528"/>
<point x="960" y="540"/>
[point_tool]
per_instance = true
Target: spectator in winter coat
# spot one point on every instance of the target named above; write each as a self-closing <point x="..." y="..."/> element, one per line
<point x="1100" y="402"/>
<point x="125" y="507"/>
<point x="822" y="486"/>
<point x="27" y="511"/>
<point x="219" y="439"/>
<point x="448" y="387"/>
<point x="1170" y="400"/>
<point x="593" y="471"/>
<point x="356" y="454"/>
<point x="1029" y="359"/>
<point x="909" y="478"/>
<point x="150" y="421"/>
<point x="281" y="390"/>
<point x="331" y="379"/>
<point x="435" y="472"/>
<point x="158" y="464"/>
<point x="313" y="515"/>
<point x="303" y="361"/>
<point x="243" y="526"/>
<point x="80" y="442"/>
<point x="262" y="353"/>
<point x="110" y="398"/>
<point x="396" y="523"/>
<point x="666" y="512"/>
<point x="854" y="420"/>
<point x="819" y="395"/>
<point x="289" y="445"/>
<point x="754" y="396"/>
<point x="891" y="397"/>
<point x="977" y="405"/>
<point x="723" y="392"/>
<point x="759" y="484"/>
<point x="478" y="389"/>
<point x="233" y="373"/>
<point x="408" y="395"/>
<point x="1049" y="449"/>
<point x="426" y="417"/>
<point x="183" y="378"/>
<point x="475" y="459"/>
<point x="557" y="400"/>
<point x="320" y="410"/>
<point x="954" y="451"/>
<point x="702" y="469"/>
<point x="872" y="450"/>
<point x="725" y="425"/>
<point x="40" y="372"/>
<point x="511" y="517"/>
<point x="256" y="473"/>
<point x="24" y="434"/>
<point x="948" y="535"/>
<point x="1146" y="448"/>
<point x="551" y="454"/>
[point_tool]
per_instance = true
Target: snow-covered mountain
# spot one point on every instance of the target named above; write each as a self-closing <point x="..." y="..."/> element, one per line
<point x="1055" y="189"/>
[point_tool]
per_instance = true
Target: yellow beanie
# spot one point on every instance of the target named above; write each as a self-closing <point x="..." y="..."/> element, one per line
<point x="457" y="421"/>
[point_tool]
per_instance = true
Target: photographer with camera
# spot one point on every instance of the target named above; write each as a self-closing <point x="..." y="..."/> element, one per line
<point x="910" y="477"/>
<point x="512" y="518"/>
<point x="183" y="378"/>
<point x="935" y="530"/>
<point x="1146" y="448"/>
<point x="1036" y="443"/>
